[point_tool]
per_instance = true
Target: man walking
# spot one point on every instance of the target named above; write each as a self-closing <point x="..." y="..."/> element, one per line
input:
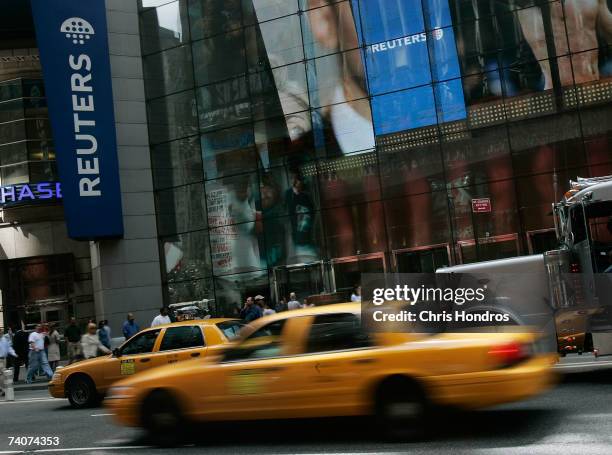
<point x="37" y="355"/>
<point x="6" y="350"/>
<point x="161" y="318"/>
<point x="20" y="343"/>
<point x="73" y="335"/>
<point x="130" y="328"/>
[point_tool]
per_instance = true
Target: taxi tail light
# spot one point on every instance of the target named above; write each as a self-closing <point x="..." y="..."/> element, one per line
<point x="510" y="354"/>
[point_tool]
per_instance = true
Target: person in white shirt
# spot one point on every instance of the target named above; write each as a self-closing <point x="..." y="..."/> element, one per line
<point x="161" y="318"/>
<point x="37" y="357"/>
<point x="266" y="309"/>
<point x="91" y="344"/>
<point x="293" y="303"/>
<point x="6" y="349"/>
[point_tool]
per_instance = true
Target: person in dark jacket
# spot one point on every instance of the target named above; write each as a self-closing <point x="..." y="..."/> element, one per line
<point x="21" y="346"/>
<point x="103" y="335"/>
<point x="73" y="338"/>
<point x="251" y="311"/>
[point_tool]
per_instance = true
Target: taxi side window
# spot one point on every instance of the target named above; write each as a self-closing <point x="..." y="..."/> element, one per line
<point x="184" y="337"/>
<point x="141" y="343"/>
<point x="231" y="329"/>
<point x="336" y="332"/>
<point x="263" y="343"/>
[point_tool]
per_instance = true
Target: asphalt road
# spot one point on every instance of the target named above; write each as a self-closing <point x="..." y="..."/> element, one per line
<point x="575" y="417"/>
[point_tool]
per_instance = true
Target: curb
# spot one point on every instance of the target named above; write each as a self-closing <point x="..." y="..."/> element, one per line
<point x="32" y="387"/>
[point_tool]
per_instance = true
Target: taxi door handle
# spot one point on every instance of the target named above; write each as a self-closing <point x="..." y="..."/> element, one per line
<point x="195" y="354"/>
<point x="321" y="366"/>
<point x="364" y="361"/>
<point x="144" y="360"/>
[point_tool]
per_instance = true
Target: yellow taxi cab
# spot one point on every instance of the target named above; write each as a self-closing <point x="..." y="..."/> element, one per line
<point x="85" y="382"/>
<point x="320" y="362"/>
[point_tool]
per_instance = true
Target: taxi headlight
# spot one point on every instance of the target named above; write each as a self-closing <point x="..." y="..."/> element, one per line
<point x="57" y="377"/>
<point x="117" y="393"/>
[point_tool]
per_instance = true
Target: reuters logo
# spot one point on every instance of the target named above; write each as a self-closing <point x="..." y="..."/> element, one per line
<point x="77" y="29"/>
<point x="438" y="34"/>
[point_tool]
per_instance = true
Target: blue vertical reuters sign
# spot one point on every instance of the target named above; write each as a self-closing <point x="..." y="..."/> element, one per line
<point x="72" y="41"/>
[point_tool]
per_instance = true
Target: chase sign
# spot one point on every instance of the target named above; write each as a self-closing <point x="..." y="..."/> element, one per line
<point x="30" y="193"/>
<point x="73" y="47"/>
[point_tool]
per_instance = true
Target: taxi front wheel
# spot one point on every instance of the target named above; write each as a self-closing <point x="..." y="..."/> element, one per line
<point x="401" y="410"/>
<point x="162" y="419"/>
<point x="81" y="392"/>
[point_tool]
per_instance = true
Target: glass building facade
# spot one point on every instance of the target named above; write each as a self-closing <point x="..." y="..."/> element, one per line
<point x="26" y="146"/>
<point x="297" y="144"/>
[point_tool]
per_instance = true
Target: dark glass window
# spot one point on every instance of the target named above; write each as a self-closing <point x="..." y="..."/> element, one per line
<point x="168" y="72"/>
<point x="164" y="27"/>
<point x="218" y="58"/>
<point x="336" y="332"/>
<point x="141" y="343"/>
<point x="184" y="337"/>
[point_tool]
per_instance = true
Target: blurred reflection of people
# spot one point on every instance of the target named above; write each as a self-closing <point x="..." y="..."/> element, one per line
<point x="301" y="209"/>
<point x="582" y="18"/>
<point x="356" y="295"/>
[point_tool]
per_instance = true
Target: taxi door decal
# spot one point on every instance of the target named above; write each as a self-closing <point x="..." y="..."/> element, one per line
<point x="246" y="382"/>
<point x="128" y="366"/>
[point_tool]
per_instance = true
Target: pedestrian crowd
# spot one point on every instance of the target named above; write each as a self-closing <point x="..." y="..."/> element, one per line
<point x="257" y="307"/>
<point x="39" y="350"/>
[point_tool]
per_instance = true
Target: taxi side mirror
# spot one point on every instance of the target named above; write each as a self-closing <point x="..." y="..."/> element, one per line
<point x="117" y="352"/>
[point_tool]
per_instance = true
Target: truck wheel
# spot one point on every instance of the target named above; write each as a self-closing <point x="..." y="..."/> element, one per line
<point x="162" y="419"/>
<point x="81" y="392"/>
<point x="401" y="410"/>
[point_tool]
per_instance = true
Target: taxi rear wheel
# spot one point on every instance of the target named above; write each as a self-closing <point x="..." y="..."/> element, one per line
<point x="162" y="419"/>
<point x="401" y="410"/>
<point x="81" y="392"/>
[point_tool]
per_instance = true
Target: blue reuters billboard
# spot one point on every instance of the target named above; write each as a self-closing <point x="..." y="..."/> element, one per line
<point x="417" y="70"/>
<point x="72" y="40"/>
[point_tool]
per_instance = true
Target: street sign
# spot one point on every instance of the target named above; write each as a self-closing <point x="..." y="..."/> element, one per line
<point x="481" y="205"/>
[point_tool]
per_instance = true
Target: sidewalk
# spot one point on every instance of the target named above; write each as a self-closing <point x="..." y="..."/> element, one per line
<point x="574" y="363"/>
<point x="40" y="382"/>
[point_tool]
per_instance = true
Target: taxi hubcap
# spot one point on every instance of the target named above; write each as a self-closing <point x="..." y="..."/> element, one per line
<point x="403" y="410"/>
<point x="164" y="419"/>
<point x="79" y="393"/>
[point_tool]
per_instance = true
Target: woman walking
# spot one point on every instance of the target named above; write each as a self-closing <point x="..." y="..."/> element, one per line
<point x="54" y="348"/>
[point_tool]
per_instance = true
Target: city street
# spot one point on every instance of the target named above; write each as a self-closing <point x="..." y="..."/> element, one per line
<point x="575" y="417"/>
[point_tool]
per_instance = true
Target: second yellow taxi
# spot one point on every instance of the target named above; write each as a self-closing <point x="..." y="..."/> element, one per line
<point x="319" y="362"/>
<point x="85" y="382"/>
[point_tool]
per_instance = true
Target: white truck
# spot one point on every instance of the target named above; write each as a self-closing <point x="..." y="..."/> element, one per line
<point x="568" y="291"/>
